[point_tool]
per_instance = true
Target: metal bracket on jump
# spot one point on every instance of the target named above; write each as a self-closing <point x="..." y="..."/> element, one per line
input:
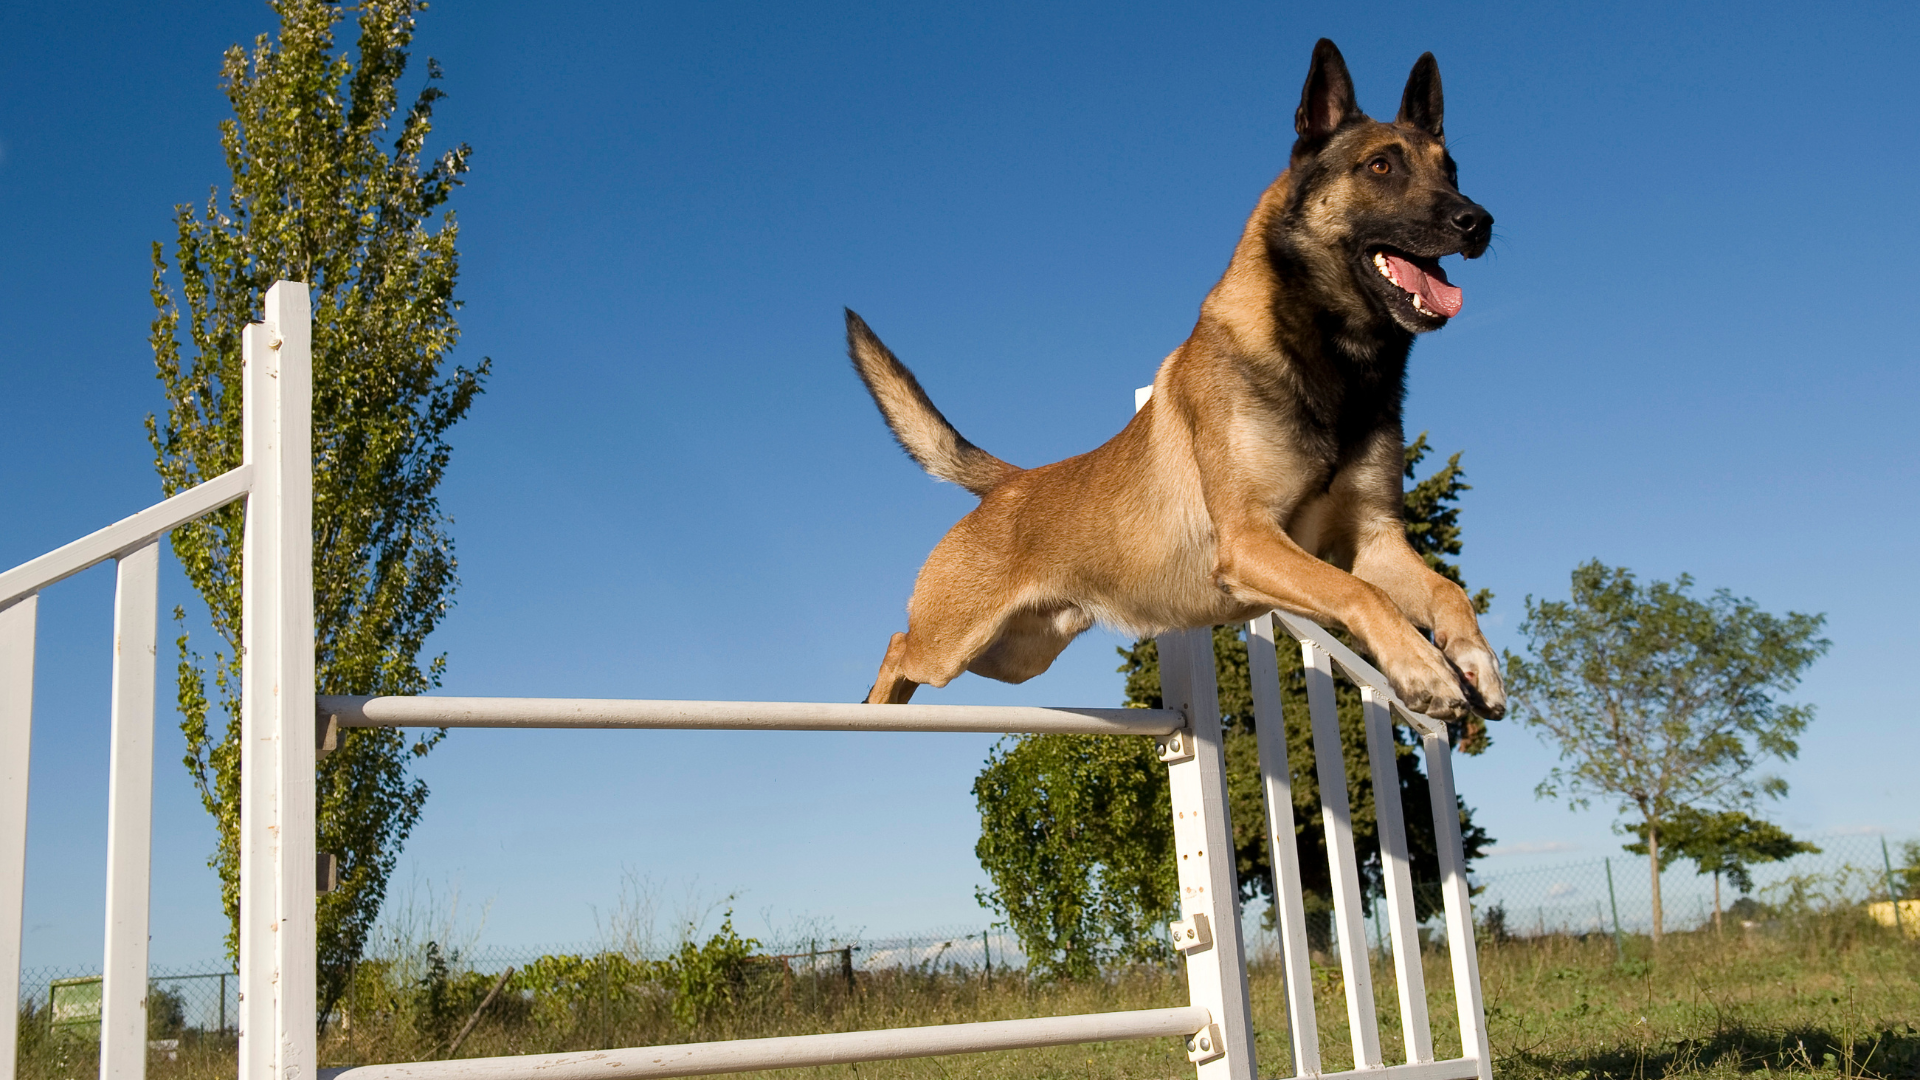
<point x="1204" y="1045"/>
<point x="1177" y="746"/>
<point x="1191" y="934"/>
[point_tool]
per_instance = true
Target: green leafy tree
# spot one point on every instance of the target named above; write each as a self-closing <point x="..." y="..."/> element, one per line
<point x="1658" y="699"/>
<point x="1727" y="842"/>
<point x="1076" y="832"/>
<point x="331" y="188"/>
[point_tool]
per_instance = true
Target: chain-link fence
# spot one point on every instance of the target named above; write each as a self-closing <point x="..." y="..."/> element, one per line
<point x="944" y="950"/>
<point x="1617" y="891"/>
<point x="1615" y="894"/>
<point x="67" y="1001"/>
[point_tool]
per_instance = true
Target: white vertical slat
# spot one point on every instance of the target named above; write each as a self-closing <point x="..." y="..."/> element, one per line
<point x="291" y="680"/>
<point x="1454" y="891"/>
<point x="259" y="741"/>
<point x="123" y="992"/>
<point x="1276" y="779"/>
<point x="1409" y="976"/>
<point x="1337" y="813"/>
<point x="1216" y="976"/>
<point x="16" y="745"/>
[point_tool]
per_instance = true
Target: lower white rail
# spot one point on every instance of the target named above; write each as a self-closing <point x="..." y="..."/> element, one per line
<point x="799" y="1051"/>
<point x="743" y="715"/>
<point x="1450" y="1069"/>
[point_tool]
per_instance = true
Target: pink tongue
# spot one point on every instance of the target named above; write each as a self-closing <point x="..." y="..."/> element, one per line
<point x="1432" y="288"/>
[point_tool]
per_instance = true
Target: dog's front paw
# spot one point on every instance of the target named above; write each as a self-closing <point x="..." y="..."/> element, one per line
<point x="1480" y="672"/>
<point x="1426" y="682"/>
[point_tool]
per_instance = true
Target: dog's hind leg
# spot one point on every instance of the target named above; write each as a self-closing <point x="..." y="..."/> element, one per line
<point x="890" y="687"/>
<point x="1013" y="647"/>
<point x="964" y="600"/>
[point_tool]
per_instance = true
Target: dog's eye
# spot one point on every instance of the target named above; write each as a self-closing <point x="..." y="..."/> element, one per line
<point x="1380" y="165"/>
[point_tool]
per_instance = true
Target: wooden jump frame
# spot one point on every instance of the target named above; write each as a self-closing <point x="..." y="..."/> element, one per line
<point x="285" y="728"/>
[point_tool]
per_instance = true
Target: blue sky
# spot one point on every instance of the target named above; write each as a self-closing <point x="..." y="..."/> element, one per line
<point x="1689" y="351"/>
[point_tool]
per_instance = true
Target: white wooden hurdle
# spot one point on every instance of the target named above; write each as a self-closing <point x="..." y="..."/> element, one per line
<point x="285" y="727"/>
<point x="277" y="861"/>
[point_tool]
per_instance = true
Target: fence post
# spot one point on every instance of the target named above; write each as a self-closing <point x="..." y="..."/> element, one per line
<point x="16" y="742"/>
<point x="1893" y="895"/>
<point x="1209" y="897"/>
<point x="123" y="988"/>
<point x="986" y="953"/>
<point x="1619" y="943"/>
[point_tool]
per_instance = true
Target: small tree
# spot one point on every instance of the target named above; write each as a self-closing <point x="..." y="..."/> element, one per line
<point x="1658" y="699"/>
<point x="1728" y="842"/>
<point x="324" y="193"/>
<point x="1076" y="832"/>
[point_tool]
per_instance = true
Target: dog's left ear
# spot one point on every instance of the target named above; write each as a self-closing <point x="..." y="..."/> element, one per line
<point x="1421" y="104"/>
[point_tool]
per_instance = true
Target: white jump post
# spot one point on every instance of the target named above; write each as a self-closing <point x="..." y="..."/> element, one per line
<point x="1208" y="932"/>
<point x="278" y="997"/>
<point x="123" y="991"/>
<point x="278" y="559"/>
<point x="1276" y="783"/>
<point x="16" y="746"/>
<point x="1336" y="814"/>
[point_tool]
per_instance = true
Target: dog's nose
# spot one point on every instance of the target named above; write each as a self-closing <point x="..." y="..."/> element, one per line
<point x="1472" y="220"/>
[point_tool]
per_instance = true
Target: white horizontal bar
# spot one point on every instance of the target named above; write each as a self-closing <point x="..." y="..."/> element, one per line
<point x="1357" y="669"/>
<point x="1451" y="1069"/>
<point x="800" y="1051"/>
<point x="745" y="715"/>
<point x="124" y="535"/>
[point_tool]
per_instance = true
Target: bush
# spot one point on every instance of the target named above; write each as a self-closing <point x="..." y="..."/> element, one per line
<point x="708" y="978"/>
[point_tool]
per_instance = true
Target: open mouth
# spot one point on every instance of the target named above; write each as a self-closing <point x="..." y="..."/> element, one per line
<point x="1422" y="280"/>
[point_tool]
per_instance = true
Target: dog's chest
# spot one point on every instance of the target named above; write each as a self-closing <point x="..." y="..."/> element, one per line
<point x="1303" y="448"/>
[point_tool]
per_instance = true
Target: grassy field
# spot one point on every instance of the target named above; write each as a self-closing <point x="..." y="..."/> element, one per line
<point x="1830" y="995"/>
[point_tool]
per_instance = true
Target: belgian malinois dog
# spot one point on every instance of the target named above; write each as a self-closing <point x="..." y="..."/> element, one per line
<point x="1265" y="470"/>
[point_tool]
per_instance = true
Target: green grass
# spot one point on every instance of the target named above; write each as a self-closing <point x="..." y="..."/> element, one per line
<point x="1829" y="995"/>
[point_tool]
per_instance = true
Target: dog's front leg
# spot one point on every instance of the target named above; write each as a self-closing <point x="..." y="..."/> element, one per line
<point x="1384" y="558"/>
<point x="1258" y="564"/>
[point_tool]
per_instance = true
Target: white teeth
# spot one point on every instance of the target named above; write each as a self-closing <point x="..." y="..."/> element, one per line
<point x="1386" y="271"/>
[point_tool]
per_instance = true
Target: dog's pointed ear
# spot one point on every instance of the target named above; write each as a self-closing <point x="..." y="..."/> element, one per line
<point x="1421" y="105"/>
<point x="1327" y="101"/>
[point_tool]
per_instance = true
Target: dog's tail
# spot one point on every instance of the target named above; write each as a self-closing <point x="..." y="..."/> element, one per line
<point x="923" y="433"/>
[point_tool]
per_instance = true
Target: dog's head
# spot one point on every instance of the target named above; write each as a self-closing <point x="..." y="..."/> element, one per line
<point x="1375" y="205"/>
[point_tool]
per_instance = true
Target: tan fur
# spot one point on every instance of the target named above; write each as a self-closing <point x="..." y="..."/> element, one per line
<point x="1212" y="506"/>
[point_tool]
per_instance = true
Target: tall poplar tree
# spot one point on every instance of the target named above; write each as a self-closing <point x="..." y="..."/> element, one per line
<point x="330" y="185"/>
